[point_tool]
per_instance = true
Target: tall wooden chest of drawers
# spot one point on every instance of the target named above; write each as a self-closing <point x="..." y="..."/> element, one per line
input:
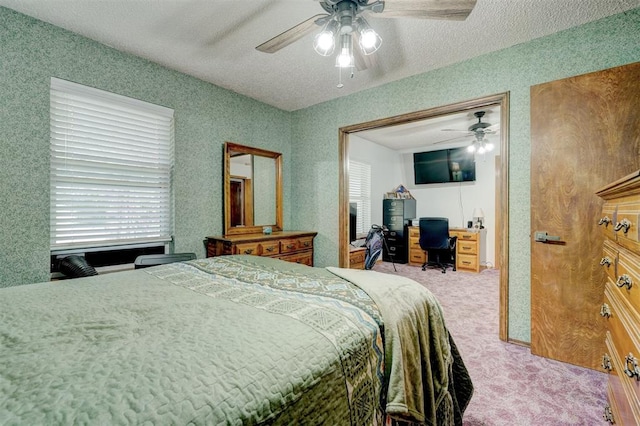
<point x="621" y="305"/>
<point x="292" y="246"/>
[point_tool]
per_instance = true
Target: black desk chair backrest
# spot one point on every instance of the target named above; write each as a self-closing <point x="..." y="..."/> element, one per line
<point x="435" y="240"/>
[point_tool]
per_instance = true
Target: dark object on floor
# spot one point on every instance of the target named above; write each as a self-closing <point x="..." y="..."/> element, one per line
<point x="147" y="260"/>
<point x="435" y="240"/>
<point x="75" y="266"/>
<point x="374" y="241"/>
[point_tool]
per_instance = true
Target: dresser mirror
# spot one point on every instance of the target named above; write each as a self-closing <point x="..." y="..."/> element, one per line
<point x="252" y="189"/>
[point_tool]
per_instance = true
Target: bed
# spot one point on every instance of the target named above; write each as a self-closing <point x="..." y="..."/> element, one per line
<point x="233" y="340"/>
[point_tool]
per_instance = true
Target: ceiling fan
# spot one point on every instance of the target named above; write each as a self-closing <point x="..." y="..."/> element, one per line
<point x="478" y="130"/>
<point x="344" y="23"/>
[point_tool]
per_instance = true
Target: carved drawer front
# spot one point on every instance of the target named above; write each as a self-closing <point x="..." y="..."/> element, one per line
<point x="621" y="411"/>
<point x="248" y="248"/>
<point x="626" y="224"/>
<point x="609" y="260"/>
<point x="305" y="258"/>
<point x="628" y="278"/>
<point x="467" y="261"/>
<point x="269" y="248"/>
<point x="607" y="219"/>
<point x="624" y="353"/>
<point x="467" y="247"/>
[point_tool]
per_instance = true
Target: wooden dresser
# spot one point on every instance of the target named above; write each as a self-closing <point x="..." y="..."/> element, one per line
<point x="292" y="246"/>
<point x="470" y="251"/>
<point x="621" y="307"/>
<point x="357" y="256"/>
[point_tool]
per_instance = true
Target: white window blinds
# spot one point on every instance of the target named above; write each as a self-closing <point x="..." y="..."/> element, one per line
<point x="111" y="169"/>
<point x="360" y="193"/>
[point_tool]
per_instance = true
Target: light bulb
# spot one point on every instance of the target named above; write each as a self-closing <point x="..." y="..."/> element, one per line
<point x="345" y="58"/>
<point x="488" y="146"/>
<point x="324" y="42"/>
<point x="481" y="150"/>
<point x="471" y="148"/>
<point x="368" y="39"/>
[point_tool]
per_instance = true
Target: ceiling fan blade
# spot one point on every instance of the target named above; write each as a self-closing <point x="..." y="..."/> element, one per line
<point x="453" y="10"/>
<point x="292" y="34"/>
<point x="456" y="130"/>
<point x="451" y="139"/>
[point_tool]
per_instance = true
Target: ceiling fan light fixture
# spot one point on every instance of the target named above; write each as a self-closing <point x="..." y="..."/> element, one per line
<point x="471" y="148"/>
<point x="369" y="40"/>
<point x="324" y="42"/>
<point x="345" y="58"/>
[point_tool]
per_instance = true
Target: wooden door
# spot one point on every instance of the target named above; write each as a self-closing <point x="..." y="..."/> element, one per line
<point x="585" y="133"/>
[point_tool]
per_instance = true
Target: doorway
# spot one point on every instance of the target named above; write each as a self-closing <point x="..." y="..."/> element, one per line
<point x="502" y="180"/>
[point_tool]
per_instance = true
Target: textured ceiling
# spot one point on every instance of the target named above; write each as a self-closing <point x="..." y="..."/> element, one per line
<point x="215" y="40"/>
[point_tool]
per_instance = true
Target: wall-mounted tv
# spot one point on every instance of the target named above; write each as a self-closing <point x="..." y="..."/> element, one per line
<point x="443" y="166"/>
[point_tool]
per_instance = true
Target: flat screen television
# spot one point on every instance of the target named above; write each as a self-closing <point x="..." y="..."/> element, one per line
<point x="353" y="221"/>
<point x="444" y="165"/>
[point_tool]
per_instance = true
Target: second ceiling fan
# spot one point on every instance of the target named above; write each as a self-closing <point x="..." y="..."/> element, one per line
<point x="344" y="24"/>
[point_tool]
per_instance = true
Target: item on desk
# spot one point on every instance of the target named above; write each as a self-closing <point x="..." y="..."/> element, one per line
<point x="478" y="217"/>
<point x="266" y="230"/>
<point x="470" y="224"/>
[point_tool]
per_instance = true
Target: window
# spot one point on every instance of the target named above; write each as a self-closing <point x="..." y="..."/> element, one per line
<point x="360" y="193"/>
<point x="111" y="170"/>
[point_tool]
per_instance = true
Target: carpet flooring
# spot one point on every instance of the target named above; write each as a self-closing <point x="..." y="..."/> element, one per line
<point x="511" y="386"/>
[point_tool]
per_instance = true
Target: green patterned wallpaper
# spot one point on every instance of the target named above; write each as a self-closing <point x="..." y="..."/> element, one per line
<point x="599" y="45"/>
<point x="206" y="116"/>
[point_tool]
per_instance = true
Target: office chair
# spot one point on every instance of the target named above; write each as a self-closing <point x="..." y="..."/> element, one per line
<point x="146" y="260"/>
<point x="435" y="241"/>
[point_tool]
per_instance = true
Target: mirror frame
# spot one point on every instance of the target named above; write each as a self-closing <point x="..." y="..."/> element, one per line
<point x="231" y="147"/>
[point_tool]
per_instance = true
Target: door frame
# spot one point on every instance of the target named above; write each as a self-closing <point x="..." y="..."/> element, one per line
<point x="502" y="232"/>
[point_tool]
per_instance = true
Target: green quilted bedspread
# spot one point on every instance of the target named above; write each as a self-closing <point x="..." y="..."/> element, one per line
<point x="229" y="341"/>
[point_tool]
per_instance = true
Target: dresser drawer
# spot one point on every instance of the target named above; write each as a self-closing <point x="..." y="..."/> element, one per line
<point x="607" y="220"/>
<point x="465" y="236"/>
<point x="417" y="256"/>
<point x="609" y="260"/>
<point x="627" y="220"/>
<point x="294" y="244"/>
<point x="467" y="262"/>
<point x="305" y="258"/>
<point x="356" y="258"/>
<point x="627" y="280"/>
<point x="620" y="407"/>
<point x="252" y="248"/>
<point x="269" y="248"/>
<point x="467" y="247"/>
<point x="625" y="352"/>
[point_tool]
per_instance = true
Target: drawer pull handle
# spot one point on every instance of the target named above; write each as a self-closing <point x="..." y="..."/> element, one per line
<point x="624" y="280"/>
<point x="270" y="249"/>
<point x="290" y="246"/>
<point x="632" y="362"/>
<point x="606" y="363"/>
<point x="605" y="261"/>
<point x="248" y="251"/>
<point x="605" y="311"/>
<point x="624" y="224"/>
<point x="608" y="414"/>
<point x="306" y="244"/>
<point x="604" y="221"/>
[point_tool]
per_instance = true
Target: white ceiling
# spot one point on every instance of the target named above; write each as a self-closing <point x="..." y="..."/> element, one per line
<point x="440" y="132"/>
<point x="215" y="40"/>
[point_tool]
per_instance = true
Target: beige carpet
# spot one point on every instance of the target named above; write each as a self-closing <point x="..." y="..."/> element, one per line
<point x="512" y="387"/>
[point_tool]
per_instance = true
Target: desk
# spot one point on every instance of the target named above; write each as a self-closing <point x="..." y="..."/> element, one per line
<point x="470" y="248"/>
